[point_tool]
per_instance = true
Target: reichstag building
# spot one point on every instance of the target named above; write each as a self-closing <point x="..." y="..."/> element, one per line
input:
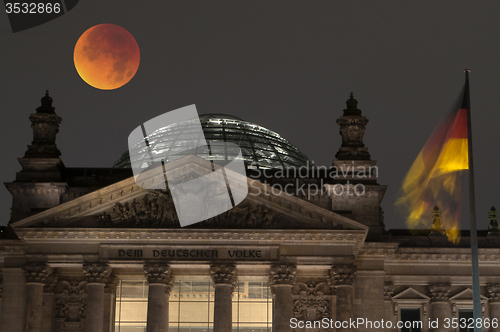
<point x="88" y="249"/>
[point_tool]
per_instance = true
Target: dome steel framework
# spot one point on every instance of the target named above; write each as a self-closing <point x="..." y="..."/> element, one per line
<point x="261" y="148"/>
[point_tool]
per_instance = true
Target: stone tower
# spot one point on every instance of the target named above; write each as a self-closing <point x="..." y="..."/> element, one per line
<point x="357" y="173"/>
<point x="39" y="184"/>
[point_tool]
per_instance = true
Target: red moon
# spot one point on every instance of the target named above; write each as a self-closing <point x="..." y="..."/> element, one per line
<point x="106" y="56"/>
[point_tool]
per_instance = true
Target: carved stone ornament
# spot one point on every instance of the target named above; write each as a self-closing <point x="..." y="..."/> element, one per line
<point x="312" y="303"/>
<point x="493" y="292"/>
<point x="439" y="291"/>
<point x="352" y="128"/>
<point x="159" y="274"/>
<point x="111" y="284"/>
<point x="156" y="209"/>
<point x="282" y="275"/>
<point x="223" y="274"/>
<point x="96" y="272"/>
<point x="50" y="283"/>
<point x="70" y="304"/>
<point x="342" y="275"/>
<point x="45" y="128"/>
<point x="36" y="272"/>
<point x="388" y="290"/>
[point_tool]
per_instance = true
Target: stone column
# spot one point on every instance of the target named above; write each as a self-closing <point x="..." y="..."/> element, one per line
<point x="494" y="295"/>
<point x="96" y="274"/>
<point x="342" y="278"/>
<point x="282" y="278"/>
<point x="160" y="284"/>
<point x="49" y="303"/>
<point x="441" y="307"/>
<point x="224" y="278"/>
<point x="110" y="303"/>
<point x="36" y="275"/>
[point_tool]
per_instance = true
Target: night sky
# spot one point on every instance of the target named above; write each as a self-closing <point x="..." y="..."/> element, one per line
<point x="286" y="65"/>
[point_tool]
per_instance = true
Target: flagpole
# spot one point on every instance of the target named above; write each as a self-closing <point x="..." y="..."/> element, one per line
<point x="476" y="294"/>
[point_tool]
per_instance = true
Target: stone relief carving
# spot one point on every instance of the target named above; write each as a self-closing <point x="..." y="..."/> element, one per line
<point x="70" y="305"/>
<point x="313" y="302"/>
<point x="439" y="291"/>
<point x="342" y="275"/>
<point x="50" y="283"/>
<point x="388" y="290"/>
<point x="282" y="275"/>
<point x="36" y="272"/>
<point x="245" y="215"/>
<point x="96" y="272"/>
<point x="493" y="292"/>
<point x="156" y="209"/>
<point x="352" y="128"/>
<point x="111" y="284"/>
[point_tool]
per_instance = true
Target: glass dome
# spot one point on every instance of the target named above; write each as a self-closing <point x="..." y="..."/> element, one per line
<point x="261" y="148"/>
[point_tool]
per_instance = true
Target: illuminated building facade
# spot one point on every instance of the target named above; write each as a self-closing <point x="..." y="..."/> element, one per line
<point x="89" y="250"/>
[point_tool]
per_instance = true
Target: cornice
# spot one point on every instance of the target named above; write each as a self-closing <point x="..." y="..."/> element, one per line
<point x="380" y="249"/>
<point x="205" y="236"/>
<point x="12" y="247"/>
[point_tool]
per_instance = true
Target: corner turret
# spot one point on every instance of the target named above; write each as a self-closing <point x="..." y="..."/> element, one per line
<point x="39" y="184"/>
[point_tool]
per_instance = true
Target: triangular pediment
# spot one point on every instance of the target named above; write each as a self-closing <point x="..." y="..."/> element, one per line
<point x="127" y="205"/>
<point x="465" y="295"/>
<point x="410" y="294"/>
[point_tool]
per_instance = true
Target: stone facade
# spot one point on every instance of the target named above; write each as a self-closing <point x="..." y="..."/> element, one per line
<point x="325" y="256"/>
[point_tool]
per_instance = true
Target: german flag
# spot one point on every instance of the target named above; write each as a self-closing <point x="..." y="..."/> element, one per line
<point x="435" y="178"/>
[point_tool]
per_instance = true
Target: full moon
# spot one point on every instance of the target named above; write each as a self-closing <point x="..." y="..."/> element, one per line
<point x="106" y="56"/>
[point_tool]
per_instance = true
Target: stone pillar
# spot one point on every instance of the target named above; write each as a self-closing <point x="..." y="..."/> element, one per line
<point x="441" y="307"/>
<point x="342" y="278"/>
<point x="36" y="275"/>
<point x="160" y="284"/>
<point x="97" y="275"/>
<point x="282" y="278"/>
<point x="389" y="306"/>
<point x="49" y="303"/>
<point x="1" y="295"/>
<point x="13" y="300"/>
<point x="494" y="295"/>
<point x="224" y="278"/>
<point x="110" y="303"/>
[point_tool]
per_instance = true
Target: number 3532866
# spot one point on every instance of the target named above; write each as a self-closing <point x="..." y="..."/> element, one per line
<point x="455" y="323"/>
<point x="32" y="8"/>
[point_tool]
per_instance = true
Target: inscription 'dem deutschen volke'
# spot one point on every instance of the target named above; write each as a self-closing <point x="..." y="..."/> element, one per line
<point x="188" y="253"/>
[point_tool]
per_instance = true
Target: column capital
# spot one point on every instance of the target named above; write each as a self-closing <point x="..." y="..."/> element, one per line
<point x="439" y="291"/>
<point x="36" y="272"/>
<point x="282" y="275"/>
<point x="97" y="273"/>
<point x="493" y="292"/>
<point x="342" y="275"/>
<point x="111" y="284"/>
<point x="388" y="290"/>
<point x="159" y="274"/>
<point x="50" y="283"/>
<point x="224" y="274"/>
